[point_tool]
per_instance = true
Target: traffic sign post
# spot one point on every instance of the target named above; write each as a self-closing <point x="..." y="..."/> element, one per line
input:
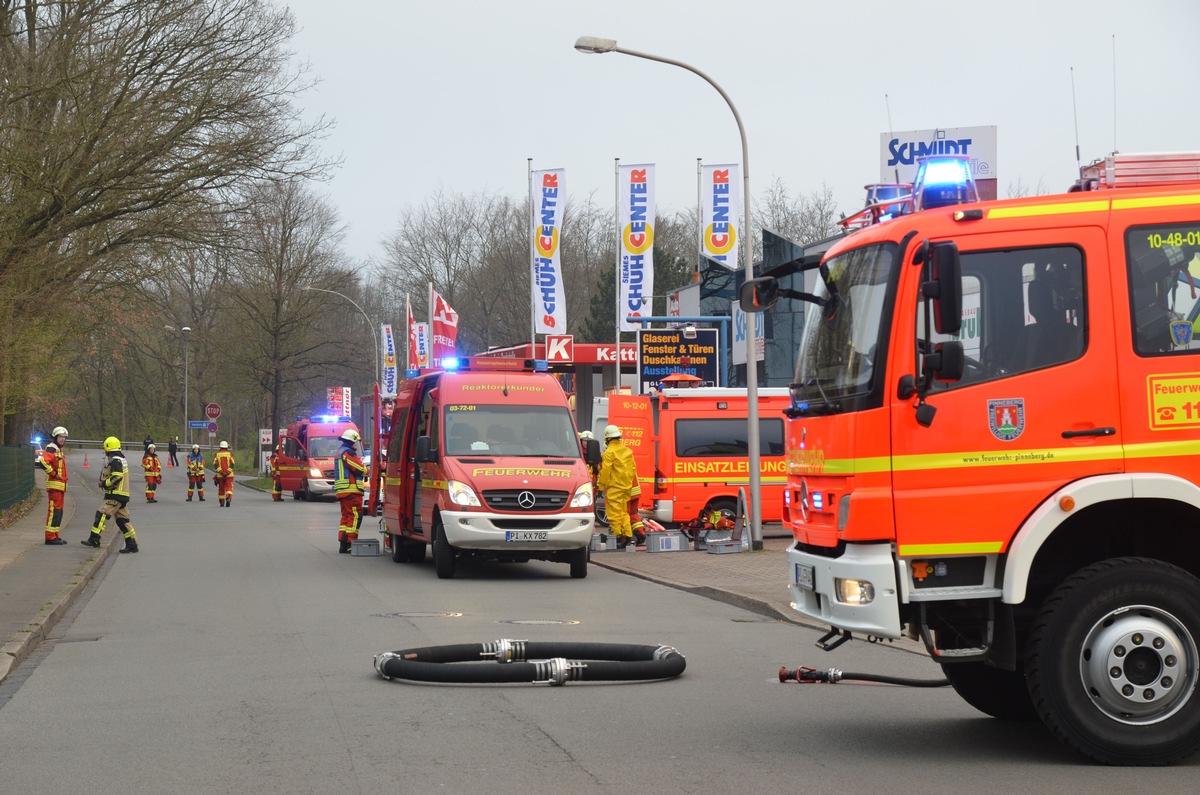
<point x="212" y="428"/>
<point x="212" y="411"/>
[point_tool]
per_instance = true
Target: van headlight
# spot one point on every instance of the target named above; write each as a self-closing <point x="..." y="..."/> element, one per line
<point x="583" y="497"/>
<point x="461" y="494"/>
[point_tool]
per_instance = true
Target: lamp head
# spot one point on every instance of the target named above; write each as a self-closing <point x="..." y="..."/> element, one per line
<point x="689" y="332"/>
<point x="595" y="44"/>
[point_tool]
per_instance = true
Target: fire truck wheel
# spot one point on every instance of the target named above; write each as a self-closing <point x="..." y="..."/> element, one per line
<point x="399" y="550"/>
<point x="1113" y="660"/>
<point x="601" y="511"/>
<point x="295" y="495"/>
<point x="443" y="553"/>
<point x="728" y="508"/>
<point x="579" y="563"/>
<point x="1001" y="694"/>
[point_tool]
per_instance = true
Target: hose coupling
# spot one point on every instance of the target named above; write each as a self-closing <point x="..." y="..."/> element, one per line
<point x="382" y="659"/>
<point x="663" y="652"/>
<point x="805" y="674"/>
<point x="557" y="671"/>
<point x="504" y="650"/>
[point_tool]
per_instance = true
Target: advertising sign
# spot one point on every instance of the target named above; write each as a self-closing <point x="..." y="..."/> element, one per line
<point x="740" y="326"/>
<point x="387" y="387"/>
<point x="666" y="352"/>
<point x="898" y="152"/>
<point x="720" y="213"/>
<point x="549" y="300"/>
<point x="337" y="401"/>
<point x="635" y="252"/>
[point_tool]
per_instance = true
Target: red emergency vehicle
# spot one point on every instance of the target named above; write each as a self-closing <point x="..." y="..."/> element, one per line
<point x="306" y="453"/>
<point x="484" y="461"/>
<point x="690" y="449"/>
<point x="993" y="448"/>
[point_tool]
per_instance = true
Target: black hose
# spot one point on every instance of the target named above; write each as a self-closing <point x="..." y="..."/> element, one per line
<point x="537" y="662"/>
<point x="833" y="676"/>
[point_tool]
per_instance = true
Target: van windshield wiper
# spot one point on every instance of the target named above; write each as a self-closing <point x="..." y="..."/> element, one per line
<point x="807" y="407"/>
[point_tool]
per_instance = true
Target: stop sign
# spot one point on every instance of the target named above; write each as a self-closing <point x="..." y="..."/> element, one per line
<point x="212" y="411"/>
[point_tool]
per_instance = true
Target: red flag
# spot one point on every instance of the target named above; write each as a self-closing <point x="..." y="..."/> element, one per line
<point x="413" y="343"/>
<point x="444" y="330"/>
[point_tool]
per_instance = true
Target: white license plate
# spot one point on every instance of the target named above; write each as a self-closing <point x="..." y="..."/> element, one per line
<point x="804" y="576"/>
<point x="525" y="535"/>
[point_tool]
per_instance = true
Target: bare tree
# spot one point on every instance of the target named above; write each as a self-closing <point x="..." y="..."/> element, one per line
<point x="120" y="123"/>
<point x="804" y="219"/>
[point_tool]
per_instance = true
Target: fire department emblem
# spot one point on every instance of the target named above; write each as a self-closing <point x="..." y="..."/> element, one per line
<point x="1181" y="333"/>
<point x="1006" y="418"/>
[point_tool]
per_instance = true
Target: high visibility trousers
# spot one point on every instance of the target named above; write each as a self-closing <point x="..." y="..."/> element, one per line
<point x="276" y="489"/>
<point x="54" y="512"/>
<point x="616" y="505"/>
<point x="195" y="482"/>
<point x="224" y="489"/>
<point x="351" y="515"/>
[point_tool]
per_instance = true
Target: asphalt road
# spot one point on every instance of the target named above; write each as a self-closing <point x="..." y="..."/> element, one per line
<point x="234" y="654"/>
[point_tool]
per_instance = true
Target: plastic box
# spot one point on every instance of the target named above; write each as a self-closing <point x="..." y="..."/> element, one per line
<point x="666" y="542"/>
<point x="364" y="547"/>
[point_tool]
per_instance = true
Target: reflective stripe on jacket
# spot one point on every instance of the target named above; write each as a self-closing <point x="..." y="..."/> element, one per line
<point x="348" y="471"/>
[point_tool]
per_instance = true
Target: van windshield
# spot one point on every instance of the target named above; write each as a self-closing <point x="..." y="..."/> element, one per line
<point x="841" y="339"/>
<point x="546" y="431"/>
<point x="324" y="446"/>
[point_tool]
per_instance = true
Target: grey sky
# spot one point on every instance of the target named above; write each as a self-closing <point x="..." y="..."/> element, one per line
<point x="456" y="94"/>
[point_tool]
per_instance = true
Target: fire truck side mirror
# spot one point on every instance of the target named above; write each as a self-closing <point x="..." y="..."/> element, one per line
<point x="591" y="452"/>
<point x="759" y="295"/>
<point x="945" y="287"/>
<point x="425" y="454"/>
<point x="947" y="361"/>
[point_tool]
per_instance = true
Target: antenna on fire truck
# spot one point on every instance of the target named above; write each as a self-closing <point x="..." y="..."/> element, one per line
<point x="1075" y="113"/>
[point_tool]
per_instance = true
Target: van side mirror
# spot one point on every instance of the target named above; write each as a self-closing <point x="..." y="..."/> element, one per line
<point x="945" y="287"/>
<point x="591" y="452"/>
<point x="759" y="295"/>
<point x="425" y="454"/>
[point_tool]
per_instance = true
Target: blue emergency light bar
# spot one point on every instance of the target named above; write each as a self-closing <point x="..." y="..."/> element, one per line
<point x="450" y="363"/>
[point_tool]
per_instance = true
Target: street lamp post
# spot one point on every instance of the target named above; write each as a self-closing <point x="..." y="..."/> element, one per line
<point x="594" y="44"/>
<point x="187" y="425"/>
<point x="370" y="325"/>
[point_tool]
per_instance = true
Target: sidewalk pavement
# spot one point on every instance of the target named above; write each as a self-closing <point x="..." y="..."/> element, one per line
<point x="38" y="583"/>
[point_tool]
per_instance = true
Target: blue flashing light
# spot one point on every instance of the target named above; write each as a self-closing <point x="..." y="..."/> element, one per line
<point x="329" y="418"/>
<point x="37" y="440"/>
<point x="541" y="365"/>
<point x="414" y="373"/>
<point x="451" y="363"/>
<point x="818" y="503"/>
<point x="944" y="172"/>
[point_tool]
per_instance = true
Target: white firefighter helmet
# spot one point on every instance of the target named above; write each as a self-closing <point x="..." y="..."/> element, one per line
<point x="612" y="432"/>
<point x="224" y="445"/>
<point x="59" y="431"/>
<point x="350" y="435"/>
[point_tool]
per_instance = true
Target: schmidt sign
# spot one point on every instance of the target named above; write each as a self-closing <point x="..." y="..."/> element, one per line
<point x="899" y="151"/>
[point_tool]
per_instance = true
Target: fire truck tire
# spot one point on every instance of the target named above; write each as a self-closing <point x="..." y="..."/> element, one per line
<point x="578" y="561"/>
<point x="601" y="511"/>
<point x="399" y="550"/>
<point x="992" y="691"/>
<point x="1113" y="662"/>
<point x="295" y="495"/>
<point x="443" y="553"/>
<point x="728" y="508"/>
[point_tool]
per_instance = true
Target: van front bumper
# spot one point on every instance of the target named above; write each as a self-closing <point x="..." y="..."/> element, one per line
<point x="493" y="531"/>
<point x="812" y="584"/>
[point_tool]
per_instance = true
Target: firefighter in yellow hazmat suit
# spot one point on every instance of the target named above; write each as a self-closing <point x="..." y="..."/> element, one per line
<point x="617" y="473"/>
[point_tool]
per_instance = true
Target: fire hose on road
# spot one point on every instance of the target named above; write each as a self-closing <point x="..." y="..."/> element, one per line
<point x="535" y="662"/>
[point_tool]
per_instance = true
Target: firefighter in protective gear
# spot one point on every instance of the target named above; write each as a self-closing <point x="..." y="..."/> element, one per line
<point x="153" y="469"/>
<point x="54" y="461"/>
<point x="636" y="525"/>
<point x="617" y="475"/>
<point x="114" y="479"/>
<point x="276" y="479"/>
<point x="348" y="475"/>
<point x="195" y="472"/>
<point x="222" y="465"/>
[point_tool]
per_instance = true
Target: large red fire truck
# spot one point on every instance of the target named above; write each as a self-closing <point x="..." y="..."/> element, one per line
<point x="1019" y="491"/>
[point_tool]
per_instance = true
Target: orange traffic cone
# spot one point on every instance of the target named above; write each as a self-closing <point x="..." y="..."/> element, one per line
<point x="85" y="463"/>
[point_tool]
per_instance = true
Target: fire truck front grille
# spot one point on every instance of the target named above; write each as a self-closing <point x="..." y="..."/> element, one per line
<point x="515" y="500"/>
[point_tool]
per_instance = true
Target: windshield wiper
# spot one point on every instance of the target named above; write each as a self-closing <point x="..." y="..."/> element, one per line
<point x="811" y="408"/>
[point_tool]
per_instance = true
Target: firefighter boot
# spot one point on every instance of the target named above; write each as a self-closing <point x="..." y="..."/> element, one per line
<point x="52" y="539"/>
<point x="189" y="499"/>
<point x="130" y="546"/>
<point x="92" y="540"/>
<point x="344" y="547"/>
<point x="641" y="538"/>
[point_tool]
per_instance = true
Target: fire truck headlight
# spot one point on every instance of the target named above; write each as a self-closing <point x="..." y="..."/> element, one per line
<point x="313" y="472"/>
<point x="854" y="592"/>
<point x="583" y="496"/>
<point x="461" y="494"/>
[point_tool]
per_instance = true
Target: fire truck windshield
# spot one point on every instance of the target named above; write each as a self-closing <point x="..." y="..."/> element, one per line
<point x="492" y="429"/>
<point x="841" y="338"/>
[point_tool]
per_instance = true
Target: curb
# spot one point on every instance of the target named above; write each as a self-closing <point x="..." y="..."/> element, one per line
<point x="19" y="646"/>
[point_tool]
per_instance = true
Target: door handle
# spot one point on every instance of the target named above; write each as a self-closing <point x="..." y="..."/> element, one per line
<point x="1090" y="432"/>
